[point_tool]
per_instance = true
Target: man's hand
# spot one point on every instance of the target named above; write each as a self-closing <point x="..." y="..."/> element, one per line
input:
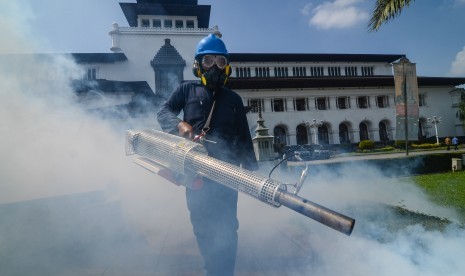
<point x="185" y="130"/>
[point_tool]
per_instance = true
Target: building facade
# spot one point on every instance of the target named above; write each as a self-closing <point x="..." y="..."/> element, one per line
<point x="304" y="98"/>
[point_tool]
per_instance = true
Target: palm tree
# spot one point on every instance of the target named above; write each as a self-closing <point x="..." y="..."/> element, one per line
<point x="386" y="10"/>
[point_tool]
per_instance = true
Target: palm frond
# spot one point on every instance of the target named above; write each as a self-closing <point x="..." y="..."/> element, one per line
<point x="386" y="10"/>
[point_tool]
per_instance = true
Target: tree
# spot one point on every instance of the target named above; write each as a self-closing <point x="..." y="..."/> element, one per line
<point x="386" y="10"/>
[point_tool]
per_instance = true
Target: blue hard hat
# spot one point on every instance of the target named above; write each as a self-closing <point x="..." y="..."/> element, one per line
<point x="211" y="45"/>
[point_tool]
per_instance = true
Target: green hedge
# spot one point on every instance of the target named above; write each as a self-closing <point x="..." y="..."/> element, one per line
<point x="402" y="166"/>
<point x="424" y="146"/>
<point x="366" y="145"/>
<point x="388" y="148"/>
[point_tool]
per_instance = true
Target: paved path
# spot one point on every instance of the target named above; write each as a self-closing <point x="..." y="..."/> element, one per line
<point x="342" y="158"/>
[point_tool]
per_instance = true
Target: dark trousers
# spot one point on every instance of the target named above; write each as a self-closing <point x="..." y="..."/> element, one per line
<point x="213" y="213"/>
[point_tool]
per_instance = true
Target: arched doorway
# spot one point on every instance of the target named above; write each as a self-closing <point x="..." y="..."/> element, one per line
<point x="363" y="129"/>
<point x="280" y="139"/>
<point x="344" y="134"/>
<point x="383" y="135"/>
<point x="422" y="129"/>
<point x="301" y="135"/>
<point x="323" y="135"/>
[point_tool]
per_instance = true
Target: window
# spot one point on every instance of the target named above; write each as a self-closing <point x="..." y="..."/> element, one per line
<point x="382" y="101"/>
<point x="168" y="81"/>
<point x="168" y="23"/>
<point x="156" y="23"/>
<point x="281" y="72"/>
<point x="321" y="103"/>
<point x="91" y="74"/>
<point x="351" y="71"/>
<point x="190" y="24"/>
<point x="242" y="72"/>
<point x="362" y="102"/>
<point x="300" y="104"/>
<point x="367" y="71"/>
<point x="255" y="105"/>
<point x="299" y="72"/>
<point x="316" y="71"/>
<point x="262" y="71"/>
<point x="422" y="100"/>
<point x="179" y="24"/>
<point x="342" y="102"/>
<point x="334" y="71"/>
<point x="278" y="105"/>
<point x="145" y="23"/>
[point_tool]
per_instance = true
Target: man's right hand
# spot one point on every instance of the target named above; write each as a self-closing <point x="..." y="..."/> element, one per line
<point x="185" y="130"/>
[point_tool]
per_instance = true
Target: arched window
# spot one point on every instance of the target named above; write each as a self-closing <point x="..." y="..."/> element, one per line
<point x="343" y="134"/>
<point x="363" y="132"/>
<point x="301" y="135"/>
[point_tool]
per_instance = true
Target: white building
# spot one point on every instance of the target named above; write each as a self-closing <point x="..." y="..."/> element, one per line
<point x="352" y="94"/>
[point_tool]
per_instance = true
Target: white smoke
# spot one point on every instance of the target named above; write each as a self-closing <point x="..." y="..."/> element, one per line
<point x="54" y="153"/>
<point x="53" y="149"/>
<point x="382" y="243"/>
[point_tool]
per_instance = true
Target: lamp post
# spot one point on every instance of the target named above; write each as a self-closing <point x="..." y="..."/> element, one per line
<point x="435" y="120"/>
<point x="315" y="125"/>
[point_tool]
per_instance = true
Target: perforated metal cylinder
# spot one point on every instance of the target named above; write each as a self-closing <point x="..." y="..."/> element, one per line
<point x="181" y="155"/>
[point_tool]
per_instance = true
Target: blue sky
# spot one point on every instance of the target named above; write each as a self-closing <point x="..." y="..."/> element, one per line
<point x="429" y="32"/>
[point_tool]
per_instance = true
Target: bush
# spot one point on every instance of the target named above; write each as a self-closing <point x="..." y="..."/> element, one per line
<point x="424" y="146"/>
<point x="400" y="144"/>
<point x="389" y="148"/>
<point x="366" y="145"/>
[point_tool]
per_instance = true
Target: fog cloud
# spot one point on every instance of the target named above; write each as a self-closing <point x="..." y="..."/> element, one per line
<point x="72" y="202"/>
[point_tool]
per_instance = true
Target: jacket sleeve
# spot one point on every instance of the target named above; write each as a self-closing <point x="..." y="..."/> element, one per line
<point x="244" y="142"/>
<point x="167" y="116"/>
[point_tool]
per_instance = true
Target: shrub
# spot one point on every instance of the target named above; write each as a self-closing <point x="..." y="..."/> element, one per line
<point x="366" y="145"/>
<point x="424" y="146"/>
<point x="389" y="148"/>
<point x="400" y="144"/>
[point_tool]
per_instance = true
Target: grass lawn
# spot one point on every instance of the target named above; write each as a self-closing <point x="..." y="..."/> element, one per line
<point x="446" y="189"/>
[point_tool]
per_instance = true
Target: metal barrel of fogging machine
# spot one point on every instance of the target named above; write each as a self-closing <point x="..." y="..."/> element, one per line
<point x="183" y="156"/>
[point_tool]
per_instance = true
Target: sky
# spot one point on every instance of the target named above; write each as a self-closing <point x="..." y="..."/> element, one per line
<point x="428" y="32"/>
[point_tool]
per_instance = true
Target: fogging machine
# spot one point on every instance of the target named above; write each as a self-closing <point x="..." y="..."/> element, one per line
<point x="158" y="150"/>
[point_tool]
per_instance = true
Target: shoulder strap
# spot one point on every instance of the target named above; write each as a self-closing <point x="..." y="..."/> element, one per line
<point x="206" y="127"/>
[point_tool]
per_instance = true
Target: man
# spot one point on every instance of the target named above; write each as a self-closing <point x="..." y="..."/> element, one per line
<point x="455" y="142"/>
<point x="447" y="142"/>
<point x="213" y="208"/>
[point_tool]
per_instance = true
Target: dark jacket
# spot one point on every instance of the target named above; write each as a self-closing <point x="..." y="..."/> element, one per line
<point x="228" y="127"/>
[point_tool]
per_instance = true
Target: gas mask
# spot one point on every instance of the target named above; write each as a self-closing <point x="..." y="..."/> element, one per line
<point x="214" y="78"/>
